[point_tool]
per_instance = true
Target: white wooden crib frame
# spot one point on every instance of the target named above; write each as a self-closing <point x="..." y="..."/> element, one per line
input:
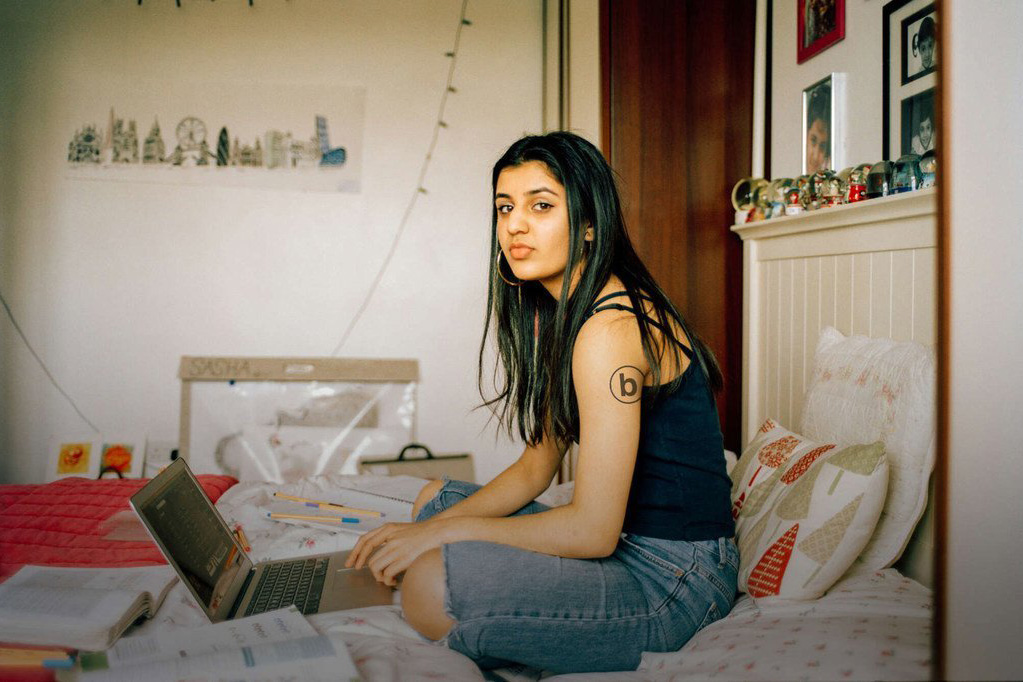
<point x="867" y="268"/>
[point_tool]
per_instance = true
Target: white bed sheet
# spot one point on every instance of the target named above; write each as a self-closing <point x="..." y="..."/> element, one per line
<point x="873" y="625"/>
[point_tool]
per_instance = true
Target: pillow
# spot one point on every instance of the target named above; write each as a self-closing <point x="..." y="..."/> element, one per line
<point x="803" y="511"/>
<point x="864" y="390"/>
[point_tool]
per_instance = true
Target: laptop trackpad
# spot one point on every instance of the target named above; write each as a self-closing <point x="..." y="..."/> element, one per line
<point x="351" y="588"/>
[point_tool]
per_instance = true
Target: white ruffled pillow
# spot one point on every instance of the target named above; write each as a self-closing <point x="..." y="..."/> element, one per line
<point x="863" y="390"/>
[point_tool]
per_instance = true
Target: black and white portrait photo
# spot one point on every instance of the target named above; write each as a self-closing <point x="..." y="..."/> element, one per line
<point x="918" y="130"/>
<point x="919" y="44"/>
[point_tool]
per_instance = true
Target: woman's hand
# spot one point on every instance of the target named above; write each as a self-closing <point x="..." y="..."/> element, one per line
<point x="397" y="545"/>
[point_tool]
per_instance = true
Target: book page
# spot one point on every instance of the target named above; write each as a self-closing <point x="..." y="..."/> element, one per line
<point x="141" y="579"/>
<point x="307" y="658"/>
<point x="79" y="607"/>
<point x="273" y="626"/>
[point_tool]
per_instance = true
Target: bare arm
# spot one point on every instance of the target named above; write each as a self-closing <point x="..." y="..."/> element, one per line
<point x="513" y="488"/>
<point x="590" y="525"/>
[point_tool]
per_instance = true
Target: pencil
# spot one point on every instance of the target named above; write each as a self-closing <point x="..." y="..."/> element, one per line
<point x="49" y="658"/>
<point x="328" y="505"/>
<point x="240" y="534"/>
<point x="321" y="519"/>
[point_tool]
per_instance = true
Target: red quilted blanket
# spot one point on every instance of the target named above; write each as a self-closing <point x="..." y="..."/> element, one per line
<point x="57" y="524"/>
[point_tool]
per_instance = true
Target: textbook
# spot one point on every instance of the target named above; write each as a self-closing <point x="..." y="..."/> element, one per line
<point x="80" y="608"/>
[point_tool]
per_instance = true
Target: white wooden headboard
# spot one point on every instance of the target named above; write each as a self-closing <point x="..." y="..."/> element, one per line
<point x="867" y="268"/>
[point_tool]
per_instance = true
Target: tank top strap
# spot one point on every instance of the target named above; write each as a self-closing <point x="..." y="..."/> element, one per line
<point x="596" y="308"/>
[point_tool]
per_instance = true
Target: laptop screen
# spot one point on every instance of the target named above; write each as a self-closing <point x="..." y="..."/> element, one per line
<point x="194" y="537"/>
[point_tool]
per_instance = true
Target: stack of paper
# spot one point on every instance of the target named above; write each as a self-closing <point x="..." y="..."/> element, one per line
<point x="277" y="645"/>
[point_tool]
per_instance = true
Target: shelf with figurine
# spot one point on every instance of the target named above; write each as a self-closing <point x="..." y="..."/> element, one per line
<point x="757" y="199"/>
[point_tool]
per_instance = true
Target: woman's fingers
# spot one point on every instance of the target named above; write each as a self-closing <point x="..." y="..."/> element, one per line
<point x="364" y="547"/>
<point x="386" y="565"/>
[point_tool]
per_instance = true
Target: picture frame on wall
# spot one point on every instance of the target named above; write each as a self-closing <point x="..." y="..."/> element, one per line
<point x="73" y="455"/>
<point x="820" y="24"/>
<point x="123" y="456"/>
<point x="824" y="125"/>
<point x="909" y="78"/>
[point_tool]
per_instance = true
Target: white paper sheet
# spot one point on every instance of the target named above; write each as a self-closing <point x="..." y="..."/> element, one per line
<point x="273" y="626"/>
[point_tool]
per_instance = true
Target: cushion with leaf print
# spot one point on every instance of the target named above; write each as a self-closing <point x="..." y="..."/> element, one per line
<point x="803" y="510"/>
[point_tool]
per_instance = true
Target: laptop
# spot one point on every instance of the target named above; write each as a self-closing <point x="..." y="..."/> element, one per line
<point x="211" y="562"/>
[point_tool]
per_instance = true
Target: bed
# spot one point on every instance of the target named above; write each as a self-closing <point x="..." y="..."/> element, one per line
<point x="857" y="280"/>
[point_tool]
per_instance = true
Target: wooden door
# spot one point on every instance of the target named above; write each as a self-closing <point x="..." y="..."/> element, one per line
<point x="677" y="128"/>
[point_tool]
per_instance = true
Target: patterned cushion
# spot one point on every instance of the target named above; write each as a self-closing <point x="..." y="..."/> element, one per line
<point x="864" y="390"/>
<point x="804" y="511"/>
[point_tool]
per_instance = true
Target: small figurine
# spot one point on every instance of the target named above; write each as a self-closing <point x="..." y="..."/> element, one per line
<point x="834" y="191"/>
<point x="879" y="180"/>
<point x="857" y="188"/>
<point x="743" y="197"/>
<point x="761" y="203"/>
<point x="793" y="200"/>
<point x="803" y="183"/>
<point x="776" y="195"/>
<point x="928" y="168"/>
<point x="816" y="185"/>
<point x="906" y="175"/>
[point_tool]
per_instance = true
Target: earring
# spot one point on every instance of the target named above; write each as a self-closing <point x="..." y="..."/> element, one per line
<point x="497" y="263"/>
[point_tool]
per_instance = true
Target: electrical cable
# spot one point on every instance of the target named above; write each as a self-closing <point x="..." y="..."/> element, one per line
<point x="42" y="364"/>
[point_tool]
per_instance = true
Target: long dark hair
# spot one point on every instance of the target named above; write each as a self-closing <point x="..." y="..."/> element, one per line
<point x="537" y="392"/>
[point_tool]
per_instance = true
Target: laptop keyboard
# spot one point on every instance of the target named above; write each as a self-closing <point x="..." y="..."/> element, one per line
<point x="298" y="582"/>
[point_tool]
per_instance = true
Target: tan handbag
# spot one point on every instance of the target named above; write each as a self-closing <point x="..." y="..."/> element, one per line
<point x="458" y="467"/>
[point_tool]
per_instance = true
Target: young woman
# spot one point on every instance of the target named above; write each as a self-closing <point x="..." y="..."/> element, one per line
<point x="593" y="352"/>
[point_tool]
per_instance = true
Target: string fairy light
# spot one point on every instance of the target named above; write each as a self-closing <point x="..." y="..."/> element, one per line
<point x="420" y="189"/>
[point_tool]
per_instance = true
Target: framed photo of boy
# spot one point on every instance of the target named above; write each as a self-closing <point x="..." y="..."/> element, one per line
<point x="820" y="24"/>
<point x="909" y="64"/>
<point x="823" y="114"/>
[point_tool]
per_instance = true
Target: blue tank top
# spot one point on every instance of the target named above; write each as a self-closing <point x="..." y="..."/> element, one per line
<point x="680" y="488"/>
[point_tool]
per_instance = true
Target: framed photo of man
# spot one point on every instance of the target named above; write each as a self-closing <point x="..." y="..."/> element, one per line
<point x="909" y="63"/>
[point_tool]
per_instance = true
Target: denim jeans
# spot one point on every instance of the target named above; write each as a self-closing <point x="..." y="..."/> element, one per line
<point x="513" y="605"/>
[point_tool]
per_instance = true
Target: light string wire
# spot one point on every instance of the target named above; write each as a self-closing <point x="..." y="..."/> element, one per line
<point x="420" y="189"/>
<point x="42" y="364"/>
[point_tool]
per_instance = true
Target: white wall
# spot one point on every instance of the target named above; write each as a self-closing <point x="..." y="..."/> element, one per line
<point x="858" y="56"/>
<point x="113" y="282"/>
<point x="985" y="468"/>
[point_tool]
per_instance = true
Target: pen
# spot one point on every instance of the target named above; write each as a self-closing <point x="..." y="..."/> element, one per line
<point x="328" y="505"/>
<point x="321" y="519"/>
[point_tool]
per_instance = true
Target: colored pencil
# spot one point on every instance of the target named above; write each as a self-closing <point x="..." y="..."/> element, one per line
<point x="328" y="505"/>
<point x="321" y="519"/>
<point x="240" y="534"/>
